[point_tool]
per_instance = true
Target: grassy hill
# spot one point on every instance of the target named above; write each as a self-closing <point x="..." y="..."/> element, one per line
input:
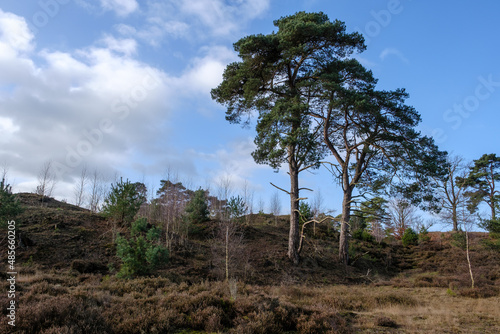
<point x="66" y="281"/>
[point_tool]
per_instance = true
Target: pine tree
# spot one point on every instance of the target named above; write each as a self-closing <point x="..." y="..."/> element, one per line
<point x="123" y="202"/>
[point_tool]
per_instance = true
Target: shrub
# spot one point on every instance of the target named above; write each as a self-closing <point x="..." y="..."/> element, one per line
<point x="423" y="235"/>
<point x="123" y="201"/>
<point x="459" y="239"/>
<point x="410" y="237"/>
<point x="140" y="255"/>
<point x="363" y="235"/>
<point x="386" y="322"/>
<point x="197" y="209"/>
<point x="140" y="225"/>
<point x="9" y="205"/>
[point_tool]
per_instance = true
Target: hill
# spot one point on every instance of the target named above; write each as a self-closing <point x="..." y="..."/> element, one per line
<point x="66" y="281"/>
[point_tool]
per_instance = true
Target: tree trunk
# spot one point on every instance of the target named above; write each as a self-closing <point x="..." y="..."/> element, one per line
<point x="454" y="218"/>
<point x="344" y="227"/>
<point x="227" y="253"/>
<point x="293" y="239"/>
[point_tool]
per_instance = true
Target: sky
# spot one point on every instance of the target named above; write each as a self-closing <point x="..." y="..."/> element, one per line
<point x="123" y="86"/>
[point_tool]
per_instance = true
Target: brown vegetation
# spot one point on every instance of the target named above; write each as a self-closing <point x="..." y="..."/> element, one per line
<point x="66" y="283"/>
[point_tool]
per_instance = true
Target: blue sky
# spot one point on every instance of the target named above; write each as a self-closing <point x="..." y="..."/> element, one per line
<point x="123" y="86"/>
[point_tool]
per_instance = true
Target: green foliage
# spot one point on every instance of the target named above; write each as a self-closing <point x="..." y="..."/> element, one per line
<point x="423" y="235"/>
<point x="139" y="226"/>
<point x="410" y="237"/>
<point x="197" y="208"/>
<point x="305" y="212"/>
<point x="124" y="201"/>
<point x="153" y="233"/>
<point x="9" y="205"/>
<point x="459" y="239"/>
<point x="362" y="234"/>
<point x="236" y="207"/>
<point x="140" y="255"/>
<point x="490" y="225"/>
<point x="482" y="178"/>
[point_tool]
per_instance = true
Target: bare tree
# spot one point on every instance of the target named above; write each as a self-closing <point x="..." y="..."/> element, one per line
<point x="402" y="215"/>
<point x="317" y="208"/>
<point x="229" y="255"/>
<point x="452" y="193"/>
<point x="46" y="181"/>
<point x="248" y="199"/>
<point x="81" y="185"/>
<point x="275" y="206"/>
<point x="261" y="205"/>
<point x="224" y="190"/>
<point x="97" y="191"/>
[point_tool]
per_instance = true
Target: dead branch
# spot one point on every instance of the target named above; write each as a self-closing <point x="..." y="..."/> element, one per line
<point x="279" y="188"/>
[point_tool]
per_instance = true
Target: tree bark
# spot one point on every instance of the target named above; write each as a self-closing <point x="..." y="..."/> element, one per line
<point x="293" y="239"/>
<point x="344" y="226"/>
<point x="454" y="218"/>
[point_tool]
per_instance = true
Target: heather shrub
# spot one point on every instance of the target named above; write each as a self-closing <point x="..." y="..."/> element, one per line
<point x="327" y="323"/>
<point x="61" y="314"/>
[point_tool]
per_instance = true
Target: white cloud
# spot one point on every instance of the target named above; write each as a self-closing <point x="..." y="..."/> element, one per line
<point x="205" y="72"/>
<point x="393" y="52"/>
<point x="120" y="7"/>
<point x="207" y="19"/>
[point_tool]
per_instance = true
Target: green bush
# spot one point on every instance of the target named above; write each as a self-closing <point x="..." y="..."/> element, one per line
<point x="423" y="235"/>
<point x="139" y="226"/>
<point x="459" y="239"/>
<point x="363" y="235"/>
<point x="410" y="237"/>
<point x="140" y="256"/>
<point x="123" y="201"/>
<point x="9" y="205"/>
<point x="197" y="209"/>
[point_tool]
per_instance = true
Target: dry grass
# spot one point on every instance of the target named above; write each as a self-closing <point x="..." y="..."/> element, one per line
<point x="155" y="305"/>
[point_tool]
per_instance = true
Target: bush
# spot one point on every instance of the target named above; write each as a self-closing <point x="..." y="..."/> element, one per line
<point x="140" y="255"/>
<point x="459" y="239"/>
<point x="9" y="205"/>
<point x="423" y="235"/>
<point x="410" y="237"/>
<point x="363" y="235"/>
<point x="123" y="201"/>
<point x="197" y="209"/>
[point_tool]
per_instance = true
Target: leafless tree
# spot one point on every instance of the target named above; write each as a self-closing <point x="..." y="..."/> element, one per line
<point x="46" y="181"/>
<point x="81" y="185"/>
<point x="261" y="204"/>
<point x="451" y="192"/>
<point x="275" y="206"/>
<point x="97" y="191"/>
<point x="224" y="191"/>
<point x="248" y="199"/>
<point x="229" y="255"/>
<point x="317" y="207"/>
<point x="402" y="215"/>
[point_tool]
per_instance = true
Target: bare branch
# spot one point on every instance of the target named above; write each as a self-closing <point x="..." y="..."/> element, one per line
<point x="279" y="188"/>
